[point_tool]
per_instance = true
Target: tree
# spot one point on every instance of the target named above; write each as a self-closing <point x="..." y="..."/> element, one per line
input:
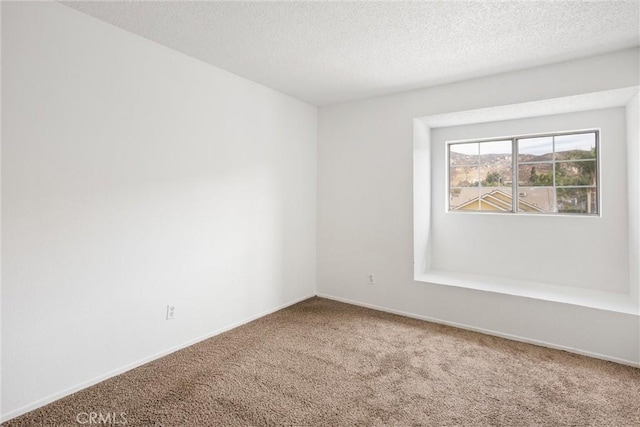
<point x="544" y="179"/>
<point x="578" y="173"/>
<point x="493" y="179"/>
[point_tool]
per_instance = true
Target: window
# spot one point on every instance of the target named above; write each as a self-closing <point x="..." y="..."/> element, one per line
<point x="539" y="174"/>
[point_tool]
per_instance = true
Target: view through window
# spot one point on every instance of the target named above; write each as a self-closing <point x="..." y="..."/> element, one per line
<point x="551" y="173"/>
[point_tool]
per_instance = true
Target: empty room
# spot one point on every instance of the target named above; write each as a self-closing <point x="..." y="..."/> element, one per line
<point x="320" y="213"/>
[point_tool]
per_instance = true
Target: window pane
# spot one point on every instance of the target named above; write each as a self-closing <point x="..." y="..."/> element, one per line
<point x="535" y="149"/>
<point x="495" y="152"/>
<point x="536" y="199"/>
<point x="464" y="199"/>
<point x="495" y="175"/>
<point x="576" y="173"/>
<point x="464" y="154"/>
<point x="463" y="176"/>
<point x="577" y="200"/>
<point x="496" y="164"/>
<point x="579" y="146"/>
<point x="539" y="174"/>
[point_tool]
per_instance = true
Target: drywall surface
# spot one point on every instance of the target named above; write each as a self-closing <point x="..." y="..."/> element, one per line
<point x="365" y="209"/>
<point x="134" y="177"/>
<point x="633" y="191"/>
<point x="555" y="249"/>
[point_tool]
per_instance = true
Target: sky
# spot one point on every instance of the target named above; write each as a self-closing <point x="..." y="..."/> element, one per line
<point x="535" y="146"/>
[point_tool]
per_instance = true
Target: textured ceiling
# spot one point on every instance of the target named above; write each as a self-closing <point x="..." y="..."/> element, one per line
<point x="330" y="52"/>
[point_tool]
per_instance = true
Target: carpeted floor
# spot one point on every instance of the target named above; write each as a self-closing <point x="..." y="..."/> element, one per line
<point x="323" y="363"/>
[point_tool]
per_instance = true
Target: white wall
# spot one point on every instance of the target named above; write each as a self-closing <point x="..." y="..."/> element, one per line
<point x="134" y="177"/>
<point x="365" y="210"/>
<point x="633" y="191"/>
<point x="545" y="249"/>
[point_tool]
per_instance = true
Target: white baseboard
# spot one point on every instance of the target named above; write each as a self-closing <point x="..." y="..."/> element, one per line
<point x="486" y="331"/>
<point x="55" y="396"/>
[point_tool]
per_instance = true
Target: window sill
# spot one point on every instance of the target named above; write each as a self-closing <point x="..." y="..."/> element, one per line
<point x="610" y="301"/>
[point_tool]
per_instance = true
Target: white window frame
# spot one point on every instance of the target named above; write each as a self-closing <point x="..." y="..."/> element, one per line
<point x="514" y="185"/>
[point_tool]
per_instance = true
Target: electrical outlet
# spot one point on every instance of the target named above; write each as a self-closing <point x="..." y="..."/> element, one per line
<point x="371" y="278"/>
<point x="171" y="312"/>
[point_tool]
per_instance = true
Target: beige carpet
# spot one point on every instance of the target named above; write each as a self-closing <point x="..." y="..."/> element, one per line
<point x="323" y="363"/>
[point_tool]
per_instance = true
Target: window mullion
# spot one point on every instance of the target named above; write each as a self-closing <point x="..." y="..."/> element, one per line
<point x="479" y="166"/>
<point x="514" y="176"/>
<point x="553" y="172"/>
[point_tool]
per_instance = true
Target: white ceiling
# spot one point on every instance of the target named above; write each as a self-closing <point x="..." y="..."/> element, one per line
<point x="330" y="52"/>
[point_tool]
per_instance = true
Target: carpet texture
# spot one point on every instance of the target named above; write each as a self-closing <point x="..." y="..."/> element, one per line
<point x="324" y="363"/>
